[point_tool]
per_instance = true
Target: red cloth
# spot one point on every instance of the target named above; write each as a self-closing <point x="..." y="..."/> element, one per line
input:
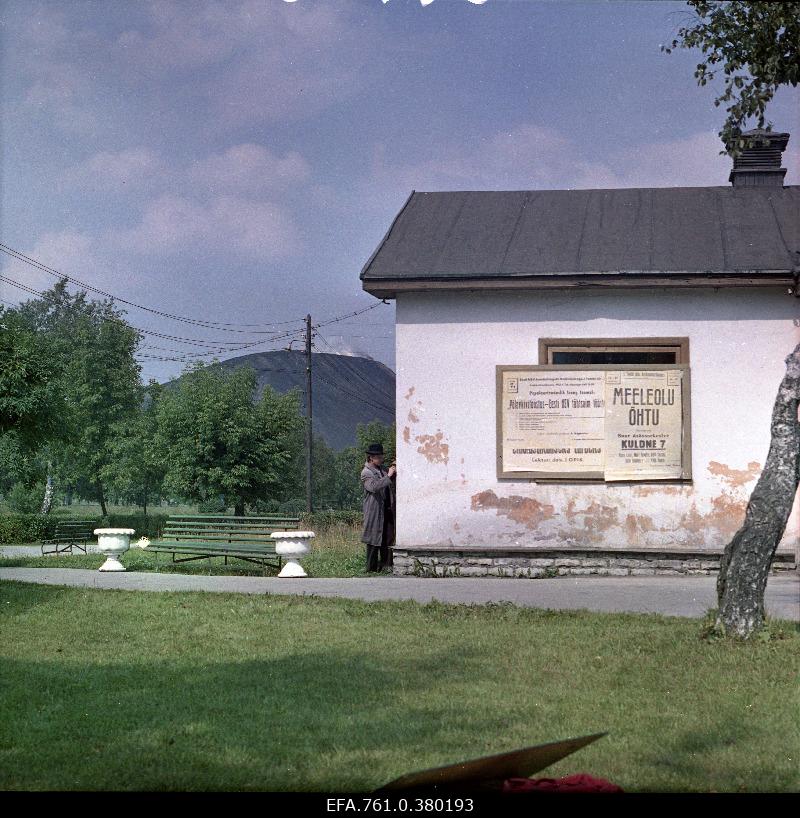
<point x="580" y="782"/>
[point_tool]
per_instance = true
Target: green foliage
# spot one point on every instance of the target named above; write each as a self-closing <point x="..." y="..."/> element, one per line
<point x="30" y="399"/>
<point x="19" y="463"/>
<point x="145" y="525"/>
<point x="757" y="46"/>
<point x="376" y="432"/>
<point x="215" y="505"/>
<point x="99" y="378"/>
<point x="324" y="520"/>
<point x="137" y="466"/>
<point x="217" y="442"/>
<point x="25" y="499"/>
<point x="22" y="528"/>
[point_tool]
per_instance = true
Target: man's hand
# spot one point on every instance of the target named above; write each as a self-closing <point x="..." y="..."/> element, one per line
<point x="392" y="470"/>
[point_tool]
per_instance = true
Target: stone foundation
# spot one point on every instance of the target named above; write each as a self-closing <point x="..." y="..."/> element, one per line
<point x="541" y="563"/>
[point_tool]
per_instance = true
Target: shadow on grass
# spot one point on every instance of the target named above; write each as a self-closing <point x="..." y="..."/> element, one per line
<point x="305" y="721"/>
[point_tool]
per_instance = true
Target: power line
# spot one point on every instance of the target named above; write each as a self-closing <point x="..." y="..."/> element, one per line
<point x="356" y="397"/>
<point x="220" y="325"/>
<point x="224" y="326"/>
<point x="223" y="346"/>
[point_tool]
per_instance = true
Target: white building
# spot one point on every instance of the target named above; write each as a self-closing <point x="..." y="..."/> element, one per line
<point x="698" y="282"/>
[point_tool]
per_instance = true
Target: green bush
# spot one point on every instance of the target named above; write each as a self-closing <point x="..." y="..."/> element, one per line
<point x="328" y="518"/>
<point x="20" y="528"/>
<point x="25" y="500"/>
<point x="213" y="506"/>
<point x="294" y="506"/>
<point x="150" y="526"/>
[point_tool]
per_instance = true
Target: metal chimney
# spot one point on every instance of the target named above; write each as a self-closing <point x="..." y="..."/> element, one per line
<point x="760" y="164"/>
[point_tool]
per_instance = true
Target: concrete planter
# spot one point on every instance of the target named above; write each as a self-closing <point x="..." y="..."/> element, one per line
<point x="292" y="546"/>
<point x="113" y="542"/>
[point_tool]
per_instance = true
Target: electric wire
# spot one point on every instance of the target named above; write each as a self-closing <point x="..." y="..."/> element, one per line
<point x="223" y="326"/>
<point x="226" y="346"/>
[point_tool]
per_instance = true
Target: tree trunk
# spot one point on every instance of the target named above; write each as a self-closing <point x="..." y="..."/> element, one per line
<point x="101" y="498"/>
<point x="238" y="508"/>
<point x="49" y="489"/>
<point x="747" y="558"/>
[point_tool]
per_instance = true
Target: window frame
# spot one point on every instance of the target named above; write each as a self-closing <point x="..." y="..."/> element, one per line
<point x="649" y="344"/>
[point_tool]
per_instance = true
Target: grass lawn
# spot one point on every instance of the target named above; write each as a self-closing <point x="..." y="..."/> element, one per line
<point x="338" y="552"/>
<point x="195" y="691"/>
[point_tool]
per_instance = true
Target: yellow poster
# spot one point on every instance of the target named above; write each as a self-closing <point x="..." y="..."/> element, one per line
<point x="552" y="421"/>
<point x="643" y="427"/>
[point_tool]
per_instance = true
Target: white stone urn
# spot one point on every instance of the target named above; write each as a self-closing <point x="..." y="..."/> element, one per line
<point x="292" y="546"/>
<point x="113" y="542"/>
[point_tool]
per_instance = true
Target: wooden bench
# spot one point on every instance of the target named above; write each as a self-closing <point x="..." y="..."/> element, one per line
<point x="70" y="534"/>
<point x="197" y="537"/>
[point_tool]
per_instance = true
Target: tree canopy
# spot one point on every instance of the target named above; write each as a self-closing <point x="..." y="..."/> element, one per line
<point x="756" y="45"/>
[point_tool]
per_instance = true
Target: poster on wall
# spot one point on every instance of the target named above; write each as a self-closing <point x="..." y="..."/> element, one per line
<point x="643" y="427"/>
<point x="553" y="421"/>
<point x="598" y="422"/>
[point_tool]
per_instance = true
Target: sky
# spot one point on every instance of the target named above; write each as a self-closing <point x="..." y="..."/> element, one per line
<point x="236" y="163"/>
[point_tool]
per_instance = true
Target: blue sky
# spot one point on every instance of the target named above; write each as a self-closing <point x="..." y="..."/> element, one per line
<point x="239" y="161"/>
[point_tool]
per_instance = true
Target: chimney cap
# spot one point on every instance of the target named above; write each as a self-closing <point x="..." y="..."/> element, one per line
<point x="758" y="164"/>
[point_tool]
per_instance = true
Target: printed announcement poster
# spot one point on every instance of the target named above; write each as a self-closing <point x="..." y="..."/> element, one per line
<point x="643" y="425"/>
<point x="552" y="421"/>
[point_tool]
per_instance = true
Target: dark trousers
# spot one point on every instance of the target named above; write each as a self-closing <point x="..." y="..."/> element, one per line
<point x="380" y="556"/>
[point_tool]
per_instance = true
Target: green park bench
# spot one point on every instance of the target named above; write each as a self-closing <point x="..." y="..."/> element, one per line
<point x="70" y="534"/>
<point x="196" y="537"/>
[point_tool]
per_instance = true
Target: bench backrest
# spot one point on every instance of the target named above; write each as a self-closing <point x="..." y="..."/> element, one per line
<point x="77" y="529"/>
<point x="224" y="529"/>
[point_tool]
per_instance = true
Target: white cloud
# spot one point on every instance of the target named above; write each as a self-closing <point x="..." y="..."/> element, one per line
<point x="65" y="251"/>
<point x="249" y="168"/>
<point x="532" y="156"/>
<point x="172" y="224"/>
<point x="120" y="171"/>
<point x="251" y="61"/>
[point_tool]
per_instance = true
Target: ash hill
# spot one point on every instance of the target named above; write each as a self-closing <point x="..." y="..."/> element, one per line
<point x="346" y="390"/>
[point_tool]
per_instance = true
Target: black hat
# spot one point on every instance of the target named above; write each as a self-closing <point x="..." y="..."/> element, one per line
<point x="375" y="448"/>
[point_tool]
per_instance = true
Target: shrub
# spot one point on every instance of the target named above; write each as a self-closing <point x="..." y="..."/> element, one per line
<point x="213" y="506"/>
<point x="25" y="500"/>
<point x="328" y="518"/>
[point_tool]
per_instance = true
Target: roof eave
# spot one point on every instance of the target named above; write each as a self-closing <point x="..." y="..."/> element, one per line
<point x="389" y="287"/>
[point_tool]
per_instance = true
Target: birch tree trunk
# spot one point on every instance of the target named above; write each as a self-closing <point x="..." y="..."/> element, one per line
<point x="49" y="490"/>
<point x="745" y="564"/>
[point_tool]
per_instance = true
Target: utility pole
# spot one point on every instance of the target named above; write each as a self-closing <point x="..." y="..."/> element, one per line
<point x="309" y="437"/>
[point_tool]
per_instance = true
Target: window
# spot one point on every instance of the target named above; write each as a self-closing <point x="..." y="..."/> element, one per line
<point x="624" y="351"/>
<point x="597" y="410"/>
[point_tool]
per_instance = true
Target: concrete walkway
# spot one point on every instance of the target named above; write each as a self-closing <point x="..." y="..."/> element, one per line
<point x="671" y="596"/>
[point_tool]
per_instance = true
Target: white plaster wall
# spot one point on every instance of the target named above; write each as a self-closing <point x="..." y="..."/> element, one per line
<point x="448" y="344"/>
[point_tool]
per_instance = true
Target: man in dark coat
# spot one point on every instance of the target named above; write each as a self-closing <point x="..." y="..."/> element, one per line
<point x="378" y="484"/>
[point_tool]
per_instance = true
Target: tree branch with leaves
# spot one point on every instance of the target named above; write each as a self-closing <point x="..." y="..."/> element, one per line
<point x="756" y="45"/>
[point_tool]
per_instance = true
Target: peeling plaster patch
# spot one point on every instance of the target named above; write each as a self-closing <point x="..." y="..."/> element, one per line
<point x="727" y="513"/>
<point x="406" y="434"/>
<point x="524" y="510"/>
<point x="595" y="516"/>
<point x="647" y="491"/>
<point x="432" y="448"/>
<point x="456" y="527"/>
<point x="735" y="477"/>
<point x="412" y="416"/>
<point x="597" y="519"/>
<point x="636" y="525"/>
<point x="409" y="393"/>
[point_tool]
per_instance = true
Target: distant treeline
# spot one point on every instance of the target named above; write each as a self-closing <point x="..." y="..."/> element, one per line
<point x="76" y="423"/>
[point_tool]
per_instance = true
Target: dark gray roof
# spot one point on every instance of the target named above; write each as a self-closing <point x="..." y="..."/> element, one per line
<point x="463" y="235"/>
